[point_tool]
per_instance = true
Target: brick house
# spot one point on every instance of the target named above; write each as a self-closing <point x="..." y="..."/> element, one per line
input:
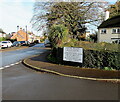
<point x="21" y="35"/>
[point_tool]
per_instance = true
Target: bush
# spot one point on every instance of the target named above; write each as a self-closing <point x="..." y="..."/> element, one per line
<point x="36" y="41"/>
<point x="96" y="55"/>
<point x="2" y="39"/>
<point x="93" y="59"/>
<point x="58" y="35"/>
<point x="93" y="46"/>
<point x="101" y="59"/>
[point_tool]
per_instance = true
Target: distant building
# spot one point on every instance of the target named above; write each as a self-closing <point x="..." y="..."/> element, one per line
<point x="109" y="30"/>
<point x="31" y="37"/>
<point x="21" y="35"/>
<point x="3" y="35"/>
<point x="87" y="34"/>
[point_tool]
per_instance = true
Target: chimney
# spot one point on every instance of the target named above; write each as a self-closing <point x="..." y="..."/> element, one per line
<point x="107" y="13"/>
<point x="20" y="28"/>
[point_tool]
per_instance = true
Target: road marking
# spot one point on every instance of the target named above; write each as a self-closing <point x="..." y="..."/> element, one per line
<point x="6" y="66"/>
<point x="1" y="68"/>
<point x="10" y="65"/>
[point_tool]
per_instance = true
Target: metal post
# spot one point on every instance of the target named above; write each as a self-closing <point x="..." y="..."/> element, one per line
<point x="26" y="32"/>
<point x="17" y="32"/>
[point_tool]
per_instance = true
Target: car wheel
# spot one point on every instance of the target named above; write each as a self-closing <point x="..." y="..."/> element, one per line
<point x="17" y="45"/>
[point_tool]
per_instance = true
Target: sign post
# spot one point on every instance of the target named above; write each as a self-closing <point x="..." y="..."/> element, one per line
<point x="73" y="54"/>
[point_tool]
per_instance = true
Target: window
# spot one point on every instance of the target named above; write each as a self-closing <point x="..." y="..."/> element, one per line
<point x="115" y="40"/>
<point x="116" y="31"/>
<point x="103" y="31"/>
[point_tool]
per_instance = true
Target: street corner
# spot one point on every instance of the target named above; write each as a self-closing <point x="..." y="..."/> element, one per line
<point x="72" y="72"/>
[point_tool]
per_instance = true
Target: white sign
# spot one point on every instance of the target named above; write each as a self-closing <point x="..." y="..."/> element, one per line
<point x="73" y="54"/>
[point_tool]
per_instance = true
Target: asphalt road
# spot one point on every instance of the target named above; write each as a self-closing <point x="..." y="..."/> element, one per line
<point x="22" y="83"/>
<point x="11" y="57"/>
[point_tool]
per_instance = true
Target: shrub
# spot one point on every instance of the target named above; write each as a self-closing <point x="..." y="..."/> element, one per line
<point x="2" y="39"/>
<point x="93" y="59"/>
<point x="58" y="35"/>
<point x="93" y="46"/>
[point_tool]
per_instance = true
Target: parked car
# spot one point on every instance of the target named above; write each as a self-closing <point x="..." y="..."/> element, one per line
<point x="16" y="43"/>
<point x="5" y="44"/>
<point x="47" y="43"/>
<point x="24" y="43"/>
<point x="36" y="41"/>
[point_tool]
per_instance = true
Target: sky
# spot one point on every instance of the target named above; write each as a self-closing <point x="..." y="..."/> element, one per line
<point x="18" y="12"/>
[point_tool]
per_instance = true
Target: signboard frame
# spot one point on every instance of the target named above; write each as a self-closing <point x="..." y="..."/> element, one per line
<point x="73" y="54"/>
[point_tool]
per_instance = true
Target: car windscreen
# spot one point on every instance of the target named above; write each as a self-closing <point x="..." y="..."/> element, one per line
<point x="22" y="42"/>
<point x="15" y="42"/>
<point x="47" y="41"/>
<point x="4" y="42"/>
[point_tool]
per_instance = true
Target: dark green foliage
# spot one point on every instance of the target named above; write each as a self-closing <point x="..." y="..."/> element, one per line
<point x="114" y="9"/>
<point x="1" y="30"/>
<point x="103" y="46"/>
<point x="101" y="59"/>
<point x="2" y="39"/>
<point x="12" y="40"/>
<point x="73" y="15"/>
<point x="58" y="34"/>
<point x="93" y="37"/>
<point x="93" y="59"/>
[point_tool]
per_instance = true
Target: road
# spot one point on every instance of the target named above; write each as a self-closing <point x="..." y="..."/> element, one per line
<point x="21" y="83"/>
<point x="11" y="57"/>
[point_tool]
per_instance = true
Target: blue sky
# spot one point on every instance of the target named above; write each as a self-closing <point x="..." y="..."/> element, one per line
<point x="18" y="12"/>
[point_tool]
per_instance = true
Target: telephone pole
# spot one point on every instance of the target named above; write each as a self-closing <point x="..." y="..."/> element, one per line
<point x="26" y="33"/>
<point x="17" y="31"/>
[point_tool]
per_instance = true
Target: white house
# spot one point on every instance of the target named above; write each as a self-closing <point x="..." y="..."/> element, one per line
<point x="3" y="35"/>
<point x="109" y="30"/>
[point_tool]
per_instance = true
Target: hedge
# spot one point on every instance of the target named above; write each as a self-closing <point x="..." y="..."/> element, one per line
<point x="92" y="59"/>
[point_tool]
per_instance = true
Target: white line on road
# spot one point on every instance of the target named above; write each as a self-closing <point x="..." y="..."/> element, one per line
<point x="10" y="65"/>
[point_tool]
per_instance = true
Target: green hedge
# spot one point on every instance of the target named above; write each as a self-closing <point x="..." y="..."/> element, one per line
<point x="92" y="59"/>
<point x="103" y="46"/>
<point x="101" y="59"/>
<point x="2" y="39"/>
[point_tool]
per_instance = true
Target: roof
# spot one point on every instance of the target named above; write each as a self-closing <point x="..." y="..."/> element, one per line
<point x="111" y="22"/>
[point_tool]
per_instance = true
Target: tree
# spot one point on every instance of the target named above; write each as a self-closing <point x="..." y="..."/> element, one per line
<point x="73" y="15"/>
<point x="1" y="30"/>
<point x="114" y="9"/>
<point x="58" y="34"/>
<point x="93" y="37"/>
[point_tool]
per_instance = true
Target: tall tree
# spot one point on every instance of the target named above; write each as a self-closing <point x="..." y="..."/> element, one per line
<point x="74" y="15"/>
<point x="114" y="9"/>
<point x="1" y="30"/>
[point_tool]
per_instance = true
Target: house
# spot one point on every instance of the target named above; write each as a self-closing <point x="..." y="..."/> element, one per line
<point x="109" y="30"/>
<point x="31" y="37"/>
<point x="3" y="35"/>
<point x="88" y="34"/>
<point x="21" y="35"/>
<point x="38" y="38"/>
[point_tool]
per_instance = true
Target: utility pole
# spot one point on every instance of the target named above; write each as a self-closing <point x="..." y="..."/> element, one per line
<point x="26" y="33"/>
<point x="17" y="31"/>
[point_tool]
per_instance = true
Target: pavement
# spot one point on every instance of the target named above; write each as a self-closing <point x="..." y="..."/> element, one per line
<point x="41" y="63"/>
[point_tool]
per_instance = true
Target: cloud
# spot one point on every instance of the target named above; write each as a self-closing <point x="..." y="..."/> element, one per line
<point x="14" y="14"/>
<point x="3" y="1"/>
<point x="17" y="12"/>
